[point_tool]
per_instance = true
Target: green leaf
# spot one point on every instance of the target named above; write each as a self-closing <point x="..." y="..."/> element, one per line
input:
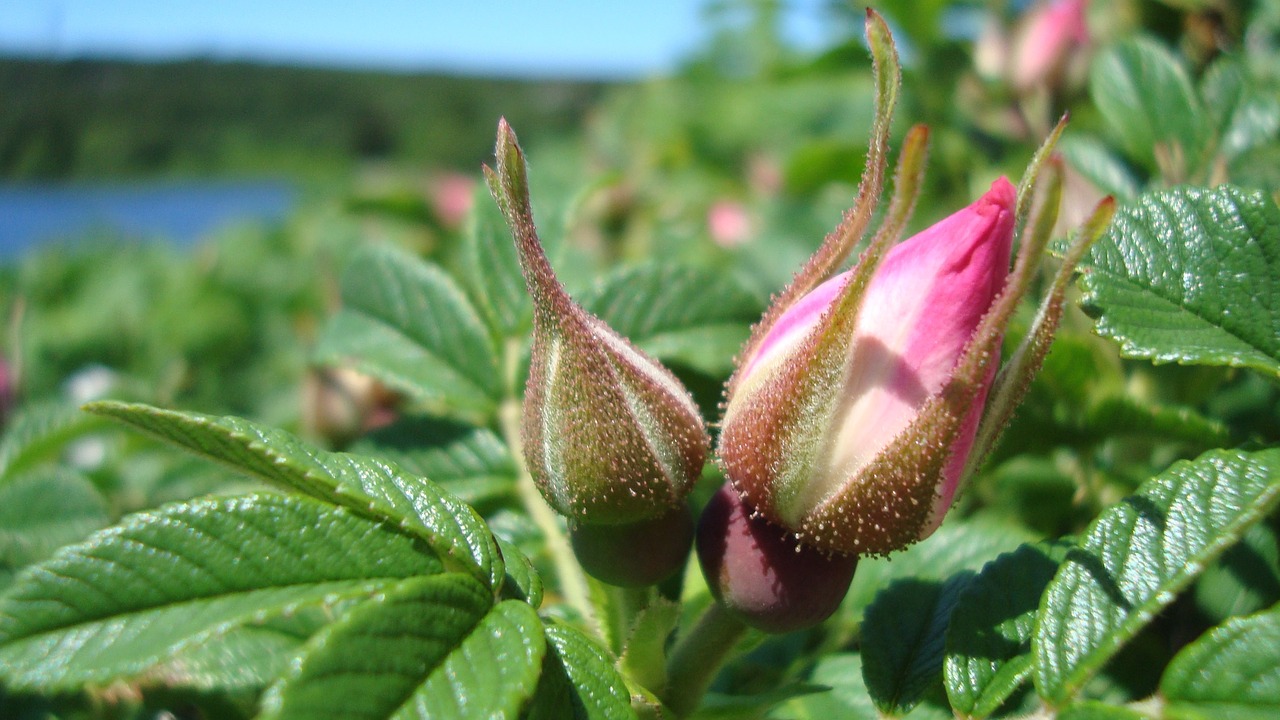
<point x="1245" y="579"/>
<point x="579" y="681"/>
<point x="1230" y="673"/>
<point x="1150" y="106"/>
<point x="679" y="314"/>
<point x="902" y="640"/>
<point x="522" y="581"/>
<point x="470" y="462"/>
<point x="406" y="323"/>
<point x="1092" y="159"/>
<point x="367" y="486"/>
<point x="644" y="658"/>
<point x="44" y="509"/>
<point x="847" y="697"/>
<point x="1139" y="554"/>
<point x="1094" y="710"/>
<point x="719" y="706"/>
<point x="491" y="269"/>
<point x="1122" y="415"/>
<point x="1191" y="276"/>
<point x="988" y="643"/>
<point x="956" y="546"/>
<point x="433" y="647"/>
<point x="39" y="432"/>
<point x="1245" y="116"/>
<point x="249" y="657"/>
<point x="133" y="595"/>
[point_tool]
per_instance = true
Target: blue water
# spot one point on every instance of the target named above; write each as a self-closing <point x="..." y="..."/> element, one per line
<point x="183" y="213"/>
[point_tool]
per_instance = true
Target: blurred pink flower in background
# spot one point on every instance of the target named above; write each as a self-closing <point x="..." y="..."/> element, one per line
<point x="451" y="196"/>
<point x="1044" y="44"/>
<point x="728" y="223"/>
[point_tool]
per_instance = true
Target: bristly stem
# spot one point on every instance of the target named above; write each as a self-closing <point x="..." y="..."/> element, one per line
<point x="698" y="656"/>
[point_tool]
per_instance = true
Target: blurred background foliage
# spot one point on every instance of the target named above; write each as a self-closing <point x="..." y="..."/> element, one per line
<point x="739" y="162"/>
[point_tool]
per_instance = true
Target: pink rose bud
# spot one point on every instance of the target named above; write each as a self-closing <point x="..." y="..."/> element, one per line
<point x="610" y="436"/>
<point x="823" y="410"/>
<point x="1048" y="35"/>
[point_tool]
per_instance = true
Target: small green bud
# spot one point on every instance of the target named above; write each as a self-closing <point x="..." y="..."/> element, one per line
<point x="610" y="435"/>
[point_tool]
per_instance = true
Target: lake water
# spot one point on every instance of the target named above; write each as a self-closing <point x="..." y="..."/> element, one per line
<point x="180" y="212"/>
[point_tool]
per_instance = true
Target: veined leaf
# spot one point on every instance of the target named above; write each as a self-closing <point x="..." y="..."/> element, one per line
<point x="1191" y="276"/>
<point x="133" y="595"/>
<point x="902" y="640"/>
<point x="1122" y="415"/>
<point x="1146" y="97"/>
<point x="39" y="431"/>
<point x="1231" y="673"/>
<point x="579" y="681"/>
<point x="249" y="657"/>
<point x="956" y="546"/>
<point x="687" y="315"/>
<point x="989" y="639"/>
<point x="1139" y="554"/>
<point x="468" y="461"/>
<point x="522" y="581"/>
<point x="1245" y="580"/>
<point x="407" y="323"/>
<point x="433" y="647"/>
<point x="44" y="509"/>
<point x="370" y="487"/>
<point x="491" y="269"/>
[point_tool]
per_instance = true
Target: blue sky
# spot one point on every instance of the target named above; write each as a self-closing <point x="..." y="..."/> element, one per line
<point x="607" y="38"/>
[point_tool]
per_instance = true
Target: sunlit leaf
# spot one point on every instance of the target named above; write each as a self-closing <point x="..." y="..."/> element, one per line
<point x="468" y="461"/>
<point x="1191" y="276"/>
<point x="365" y="485"/>
<point x="685" y="315"/>
<point x="131" y="596"/>
<point x="989" y="638"/>
<point x="433" y="647"/>
<point x="1144" y="93"/>
<point x="1230" y="673"/>
<point x="578" y="681"/>
<point x="1138" y="555"/>
<point x="44" y="509"/>
<point x="406" y="323"/>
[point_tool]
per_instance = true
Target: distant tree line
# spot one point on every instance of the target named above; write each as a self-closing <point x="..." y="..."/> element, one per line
<point x="108" y="118"/>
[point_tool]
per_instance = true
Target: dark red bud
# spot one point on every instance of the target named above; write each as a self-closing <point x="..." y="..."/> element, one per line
<point x="634" y="554"/>
<point x="762" y="574"/>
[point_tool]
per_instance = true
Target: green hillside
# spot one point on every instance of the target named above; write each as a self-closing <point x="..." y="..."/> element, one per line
<point x="98" y="118"/>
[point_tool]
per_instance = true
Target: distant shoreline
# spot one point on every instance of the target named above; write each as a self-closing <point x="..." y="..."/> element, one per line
<point x="181" y="212"/>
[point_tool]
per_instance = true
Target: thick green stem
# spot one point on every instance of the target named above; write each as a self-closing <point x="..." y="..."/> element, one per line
<point x="573" y="583"/>
<point x="698" y="656"/>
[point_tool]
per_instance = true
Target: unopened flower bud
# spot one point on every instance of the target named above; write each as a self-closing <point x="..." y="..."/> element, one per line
<point x="760" y="572"/>
<point x="610" y="436"/>
<point x="831" y="424"/>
